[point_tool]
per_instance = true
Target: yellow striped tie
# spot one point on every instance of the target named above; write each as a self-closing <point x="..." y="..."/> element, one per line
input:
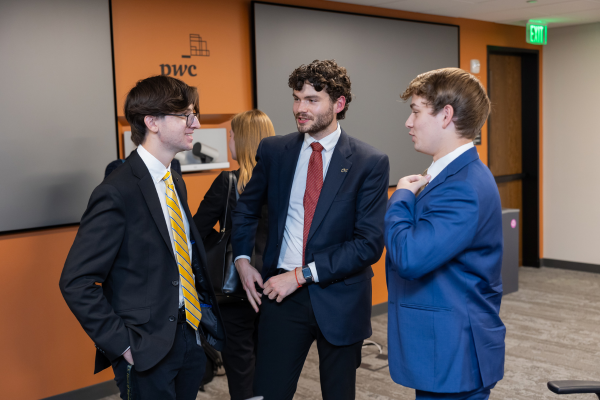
<point x="182" y="254"/>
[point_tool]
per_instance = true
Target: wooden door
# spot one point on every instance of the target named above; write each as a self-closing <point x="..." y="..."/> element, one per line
<point x="505" y="132"/>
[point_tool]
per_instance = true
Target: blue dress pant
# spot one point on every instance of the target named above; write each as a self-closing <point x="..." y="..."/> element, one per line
<point x="286" y="331"/>
<point x="175" y="377"/>
<point x="483" y="393"/>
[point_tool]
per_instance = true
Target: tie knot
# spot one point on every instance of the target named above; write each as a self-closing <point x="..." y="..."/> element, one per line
<point x="316" y="146"/>
<point x="167" y="178"/>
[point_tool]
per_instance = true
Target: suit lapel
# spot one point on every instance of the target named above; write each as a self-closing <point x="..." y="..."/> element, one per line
<point x="149" y="191"/>
<point x="459" y="163"/>
<point x="289" y="160"/>
<point x="339" y="168"/>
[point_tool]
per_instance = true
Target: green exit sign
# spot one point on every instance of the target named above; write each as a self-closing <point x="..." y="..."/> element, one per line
<point x="537" y="33"/>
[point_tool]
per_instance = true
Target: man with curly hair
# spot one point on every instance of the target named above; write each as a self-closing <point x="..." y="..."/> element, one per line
<point x="326" y="193"/>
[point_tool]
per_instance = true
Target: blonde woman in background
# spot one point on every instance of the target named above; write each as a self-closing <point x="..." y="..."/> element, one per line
<point x="247" y="130"/>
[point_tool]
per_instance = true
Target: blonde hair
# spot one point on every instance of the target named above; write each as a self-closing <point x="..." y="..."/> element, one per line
<point x="249" y="128"/>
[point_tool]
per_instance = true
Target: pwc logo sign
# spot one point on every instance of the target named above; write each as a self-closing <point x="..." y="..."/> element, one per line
<point x="177" y="70"/>
<point x="198" y="48"/>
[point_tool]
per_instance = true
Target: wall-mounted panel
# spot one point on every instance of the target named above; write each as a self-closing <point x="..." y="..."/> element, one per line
<point x="382" y="56"/>
<point x="57" y="109"/>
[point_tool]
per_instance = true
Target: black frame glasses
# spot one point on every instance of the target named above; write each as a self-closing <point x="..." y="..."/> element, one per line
<point x="188" y="121"/>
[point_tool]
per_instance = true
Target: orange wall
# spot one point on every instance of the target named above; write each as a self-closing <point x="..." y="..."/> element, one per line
<point x="49" y="353"/>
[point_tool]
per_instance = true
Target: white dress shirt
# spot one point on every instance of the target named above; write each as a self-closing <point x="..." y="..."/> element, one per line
<point x="290" y="256"/>
<point x="158" y="171"/>
<point x="438" y="166"/>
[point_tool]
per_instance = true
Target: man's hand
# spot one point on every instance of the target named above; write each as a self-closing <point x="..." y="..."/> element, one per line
<point x="249" y="275"/>
<point x="128" y="357"/>
<point x="281" y="286"/>
<point x="413" y="182"/>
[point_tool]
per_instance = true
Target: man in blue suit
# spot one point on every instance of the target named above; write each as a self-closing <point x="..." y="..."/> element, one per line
<point x="326" y="195"/>
<point x="443" y="235"/>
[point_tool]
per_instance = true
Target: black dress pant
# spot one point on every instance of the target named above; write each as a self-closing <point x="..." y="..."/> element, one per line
<point x="285" y="333"/>
<point x="239" y="354"/>
<point x="175" y="377"/>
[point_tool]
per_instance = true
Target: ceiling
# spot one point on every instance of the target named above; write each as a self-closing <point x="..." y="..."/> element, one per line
<point x="513" y="12"/>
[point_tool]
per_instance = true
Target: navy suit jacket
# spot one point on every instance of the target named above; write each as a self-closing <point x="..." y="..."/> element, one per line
<point x="443" y="267"/>
<point x="346" y="234"/>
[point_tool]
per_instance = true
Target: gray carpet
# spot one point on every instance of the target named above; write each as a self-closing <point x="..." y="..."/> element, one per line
<point x="553" y="333"/>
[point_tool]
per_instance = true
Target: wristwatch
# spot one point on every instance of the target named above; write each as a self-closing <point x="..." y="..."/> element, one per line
<point x="307" y="274"/>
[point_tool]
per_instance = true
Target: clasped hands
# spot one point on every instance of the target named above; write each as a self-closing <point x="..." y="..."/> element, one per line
<point x="277" y="287"/>
<point x="413" y="182"/>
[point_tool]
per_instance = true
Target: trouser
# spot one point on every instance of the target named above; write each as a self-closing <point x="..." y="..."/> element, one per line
<point x="239" y="354"/>
<point x="483" y="393"/>
<point x="176" y="377"/>
<point x="285" y="333"/>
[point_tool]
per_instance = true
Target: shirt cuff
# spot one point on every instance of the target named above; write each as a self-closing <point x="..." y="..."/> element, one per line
<point x="238" y="257"/>
<point x="313" y="270"/>
<point x="126" y="350"/>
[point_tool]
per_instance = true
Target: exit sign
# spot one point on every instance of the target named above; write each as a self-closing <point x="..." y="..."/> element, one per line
<point x="537" y="32"/>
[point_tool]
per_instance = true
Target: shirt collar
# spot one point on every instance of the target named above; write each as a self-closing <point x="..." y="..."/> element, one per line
<point x="438" y="166"/>
<point x="328" y="142"/>
<point x="156" y="168"/>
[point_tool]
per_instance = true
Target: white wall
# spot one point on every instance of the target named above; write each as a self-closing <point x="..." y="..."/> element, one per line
<point x="571" y="102"/>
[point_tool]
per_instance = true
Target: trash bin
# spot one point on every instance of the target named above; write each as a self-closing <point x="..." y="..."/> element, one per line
<point x="510" y="258"/>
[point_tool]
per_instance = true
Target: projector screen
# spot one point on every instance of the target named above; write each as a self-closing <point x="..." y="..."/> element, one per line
<point x="381" y="55"/>
<point x="57" y="109"/>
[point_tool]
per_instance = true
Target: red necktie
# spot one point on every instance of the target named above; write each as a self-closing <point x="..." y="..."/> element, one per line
<point x="314" y="183"/>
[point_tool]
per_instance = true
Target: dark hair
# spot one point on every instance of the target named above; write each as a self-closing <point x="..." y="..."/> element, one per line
<point x="326" y="75"/>
<point x="457" y="88"/>
<point x="156" y="96"/>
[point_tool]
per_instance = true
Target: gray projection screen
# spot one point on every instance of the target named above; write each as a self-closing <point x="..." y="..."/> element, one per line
<point x="57" y="109"/>
<point x="381" y="55"/>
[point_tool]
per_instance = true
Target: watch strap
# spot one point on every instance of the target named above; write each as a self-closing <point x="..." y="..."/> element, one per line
<point x="307" y="274"/>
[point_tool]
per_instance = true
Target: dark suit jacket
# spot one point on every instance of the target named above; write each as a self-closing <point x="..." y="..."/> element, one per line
<point x="212" y="209"/>
<point x="113" y="165"/>
<point x="443" y="265"/>
<point x="346" y="234"/>
<point x="123" y="243"/>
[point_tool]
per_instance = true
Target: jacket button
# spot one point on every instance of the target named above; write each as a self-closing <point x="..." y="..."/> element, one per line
<point x="171" y="318"/>
<point x="175" y="283"/>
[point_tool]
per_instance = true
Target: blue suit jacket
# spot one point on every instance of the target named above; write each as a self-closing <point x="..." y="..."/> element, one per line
<point x="443" y="265"/>
<point x="346" y="234"/>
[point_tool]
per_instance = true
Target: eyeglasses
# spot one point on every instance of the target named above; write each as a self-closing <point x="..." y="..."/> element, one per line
<point x="189" y="118"/>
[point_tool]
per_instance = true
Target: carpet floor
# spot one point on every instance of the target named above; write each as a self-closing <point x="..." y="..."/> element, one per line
<point x="553" y="333"/>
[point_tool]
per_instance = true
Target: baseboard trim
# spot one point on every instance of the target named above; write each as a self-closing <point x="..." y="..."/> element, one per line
<point x="93" y="392"/>
<point x="571" y="265"/>
<point x="379" y="309"/>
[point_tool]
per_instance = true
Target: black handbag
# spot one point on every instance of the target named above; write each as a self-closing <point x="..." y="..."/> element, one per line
<point x="224" y="277"/>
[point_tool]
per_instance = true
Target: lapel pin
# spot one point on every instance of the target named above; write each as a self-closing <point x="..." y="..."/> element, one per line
<point x="344" y="170"/>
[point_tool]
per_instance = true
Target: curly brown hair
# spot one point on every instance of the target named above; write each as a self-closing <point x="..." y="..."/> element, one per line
<point x="458" y="88"/>
<point x="326" y="75"/>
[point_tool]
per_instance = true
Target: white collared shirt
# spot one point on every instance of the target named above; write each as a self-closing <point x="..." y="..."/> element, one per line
<point x="438" y="166"/>
<point x="158" y="171"/>
<point x="290" y="256"/>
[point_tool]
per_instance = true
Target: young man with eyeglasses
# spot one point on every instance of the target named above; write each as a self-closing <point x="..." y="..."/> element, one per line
<point x="136" y="276"/>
